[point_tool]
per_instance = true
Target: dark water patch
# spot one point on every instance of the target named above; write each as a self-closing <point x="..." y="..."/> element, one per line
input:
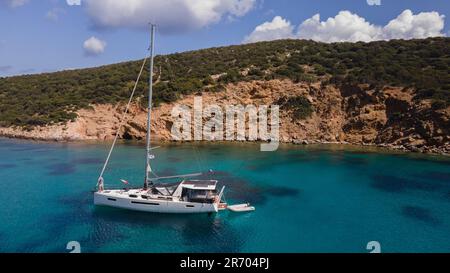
<point x="61" y="169"/>
<point x="390" y="183"/>
<point x="355" y="161"/>
<point x="420" y="214"/>
<point x="242" y="190"/>
<point x="237" y="188"/>
<point x="7" y="165"/>
<point x="437" y="176"/>
<point x="88" y="160"/>
<point x="347" y="159"/>
<point x="279" y="191"/>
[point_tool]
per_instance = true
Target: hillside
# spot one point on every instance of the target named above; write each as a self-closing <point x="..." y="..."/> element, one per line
<point x="395" y="92"/>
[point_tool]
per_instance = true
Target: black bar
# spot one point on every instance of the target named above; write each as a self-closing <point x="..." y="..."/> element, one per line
<point x="224" y="262"/>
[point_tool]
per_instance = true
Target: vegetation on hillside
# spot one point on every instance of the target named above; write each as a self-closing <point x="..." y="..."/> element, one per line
<point x="300" y="106"/>
<point x="54" y="97"/>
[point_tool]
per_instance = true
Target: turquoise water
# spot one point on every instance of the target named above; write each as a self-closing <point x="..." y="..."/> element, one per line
<point x="314" y="199"/>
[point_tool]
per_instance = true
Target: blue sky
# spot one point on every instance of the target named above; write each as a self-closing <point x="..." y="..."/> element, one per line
<point x="49" y="35"/>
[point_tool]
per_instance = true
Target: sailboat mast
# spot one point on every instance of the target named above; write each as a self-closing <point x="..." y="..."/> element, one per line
<point x="149" y="109"/>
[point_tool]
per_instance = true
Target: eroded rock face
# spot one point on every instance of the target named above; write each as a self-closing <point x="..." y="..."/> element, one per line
<point x="352" y="114"/>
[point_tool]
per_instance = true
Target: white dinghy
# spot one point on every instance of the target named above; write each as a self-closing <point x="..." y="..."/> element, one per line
<point x="241" y="208"/>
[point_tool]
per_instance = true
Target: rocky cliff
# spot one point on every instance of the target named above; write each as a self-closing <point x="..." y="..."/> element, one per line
<point x="388" y="116"/>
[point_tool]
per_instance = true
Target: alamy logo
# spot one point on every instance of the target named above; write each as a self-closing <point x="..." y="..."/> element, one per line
<point x="74" y="247"/>
<point x="374" y="247"/>
<point x="213" y="123"/>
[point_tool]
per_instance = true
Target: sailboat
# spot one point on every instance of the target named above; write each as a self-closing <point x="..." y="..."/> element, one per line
<point x="187" y="196"/>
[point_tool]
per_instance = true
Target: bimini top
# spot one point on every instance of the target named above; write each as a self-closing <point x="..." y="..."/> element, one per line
<point x="199" y="184"/>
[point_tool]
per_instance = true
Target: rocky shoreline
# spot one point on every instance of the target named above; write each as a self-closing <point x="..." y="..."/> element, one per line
<point x="403" y="148"/>
<point x="388" y="118"/>
<point x="445" y="151"/>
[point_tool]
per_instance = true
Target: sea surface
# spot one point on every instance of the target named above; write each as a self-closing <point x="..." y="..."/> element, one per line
<point x="307" y="199"/>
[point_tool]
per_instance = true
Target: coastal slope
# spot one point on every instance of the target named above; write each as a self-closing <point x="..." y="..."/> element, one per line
<point x="388" y="93"/>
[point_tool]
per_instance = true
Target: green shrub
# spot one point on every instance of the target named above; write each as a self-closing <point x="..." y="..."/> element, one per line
<point x="300" y="106"/>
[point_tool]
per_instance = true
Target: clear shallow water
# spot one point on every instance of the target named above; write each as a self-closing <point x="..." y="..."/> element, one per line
<point x="319" y="199"/>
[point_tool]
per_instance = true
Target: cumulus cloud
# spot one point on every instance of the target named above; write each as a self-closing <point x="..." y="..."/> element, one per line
<point x="14" y="3"/>
<point x="278" y="28"/>
<point x="345" y="26"/>
<point x="407" y="25"/>
<point x="94" y="46"/>
<point x="349" y="27"/>
<point x="169" y="15"/>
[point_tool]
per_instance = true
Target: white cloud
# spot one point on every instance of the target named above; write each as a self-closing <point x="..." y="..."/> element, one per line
<point x="73" y="2"/>
<point x="349" y="27"/>
<point x="94" y="46"/>
<point x="15" y="3"/>
<point x="407" y="25"/>
<point x="169" y="15"/>
<point x="278" y="28"/>
<point x="345" y="26"/>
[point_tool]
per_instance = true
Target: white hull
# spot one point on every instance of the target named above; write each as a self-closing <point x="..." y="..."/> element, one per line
<point x="123" y="201"/>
